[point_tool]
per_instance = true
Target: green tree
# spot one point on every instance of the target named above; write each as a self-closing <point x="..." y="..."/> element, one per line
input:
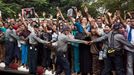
<point x="10" y="8"/>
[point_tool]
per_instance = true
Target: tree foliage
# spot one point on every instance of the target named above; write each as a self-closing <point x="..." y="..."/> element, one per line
<point x="10" y="8"/>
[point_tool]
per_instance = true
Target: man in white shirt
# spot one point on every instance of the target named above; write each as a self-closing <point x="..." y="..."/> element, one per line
<point x="100" y="27"/>
<point x="130" y="55"/>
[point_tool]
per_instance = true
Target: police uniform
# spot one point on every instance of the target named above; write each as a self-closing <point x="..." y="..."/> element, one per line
<point x="10" y="40"/>
<point x="62" y="45"/>
<point x="116" y="44"/>
<point x="33" y="41"/>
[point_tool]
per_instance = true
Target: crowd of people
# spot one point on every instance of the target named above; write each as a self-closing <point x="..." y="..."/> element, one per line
<point x="78" y="44"/>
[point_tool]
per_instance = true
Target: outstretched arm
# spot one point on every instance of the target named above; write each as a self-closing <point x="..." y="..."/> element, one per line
<point x="104" y="37"/>
<point x="40" y="40"/>
<point x="23" y="20"/>
<point x="60" y="13"/>
<point x="122" y="39"/>
<point x="77" y="41"/>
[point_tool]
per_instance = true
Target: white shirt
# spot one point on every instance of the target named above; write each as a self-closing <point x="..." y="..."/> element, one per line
<point x="30" y="28"/>
<point x="54" y="37"/>
<point x="132" y="34"/>
<point x="101" y="30"/>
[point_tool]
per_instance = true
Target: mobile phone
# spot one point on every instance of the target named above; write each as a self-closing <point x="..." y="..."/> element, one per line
<point x="70" y="12"/>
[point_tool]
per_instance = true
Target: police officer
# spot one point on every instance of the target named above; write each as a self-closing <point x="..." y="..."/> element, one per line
<point x="10" y="40"/>
<point x="116" y="44"/>
<point x="33" y="41"/>
<point x="62" y="61"/>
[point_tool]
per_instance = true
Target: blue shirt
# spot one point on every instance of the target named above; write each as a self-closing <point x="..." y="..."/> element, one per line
<point x="88" y="28"/>
<point x="79" y="27"/>
<point x="2" y="29"/>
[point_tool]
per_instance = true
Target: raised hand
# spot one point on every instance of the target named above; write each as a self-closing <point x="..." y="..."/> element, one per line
<point x="129" y="14"/>
<point x="58" y="14"/>
<point x="44" y="14"/>
<point x="51" y="16"/>
<point x="118" y="13"/>
<point x="75" y="9"/>
<point x="36" y="14"/>
<point x="19" y="15"/>
<point x="85" y="9"/>
<point x="57" y="8"/>
<point x="79" y="13"/>
<point x="109" y="14"/>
